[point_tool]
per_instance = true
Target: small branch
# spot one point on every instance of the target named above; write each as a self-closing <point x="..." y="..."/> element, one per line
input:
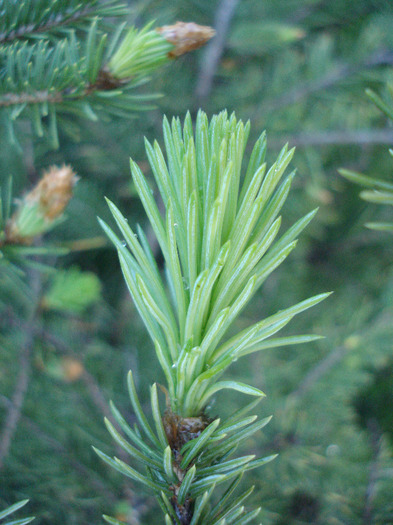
<point x="214" y="50"/>
<point x="318" y="371"/>
<point x="11" y="99"/>
<point x="376" y="442"/>
<point x="39" y="97"/>
<point x="334" y="137"/>
<point x="60" y="20"/>
<point x="90" y="475"/>
<point x="15" y="409"/>
<point x="343" y="71"/>
<point x="299" y="93"/>
<point x="97" y="395"/>
<point x="70" y="93"/>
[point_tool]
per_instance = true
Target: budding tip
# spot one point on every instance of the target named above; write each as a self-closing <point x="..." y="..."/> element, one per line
<point x="54" y="190"/>
<point x="185" y="36"/>
<point x="37" y="210"/>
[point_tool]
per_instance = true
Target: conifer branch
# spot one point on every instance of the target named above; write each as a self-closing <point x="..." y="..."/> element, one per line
<point x="57" y="16"/>
<point x="65" y="76"/>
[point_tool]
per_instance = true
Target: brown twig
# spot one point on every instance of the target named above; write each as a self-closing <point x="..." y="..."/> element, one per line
<point x="96" y="395"/>
<point x="376" y="442"/>
<point x="104" y="82"/>
<point x="214" y="50"/>
<point x="12" y="99"/>
<point x="18" y="396"/>
<point x="15" y="409"/>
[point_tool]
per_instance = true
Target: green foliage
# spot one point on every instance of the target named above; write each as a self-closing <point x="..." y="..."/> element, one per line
<point x="72" y="73"/>
<point x="140" y="52"/>
<point x="217" y="242"/>
<point x="72" y="291"/>
<point x="10" y="510"/>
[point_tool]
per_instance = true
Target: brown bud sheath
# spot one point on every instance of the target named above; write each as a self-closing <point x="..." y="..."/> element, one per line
<point x="53" y="191"/>
<point x="185" y="36"/>
<point x="45" y="203"/>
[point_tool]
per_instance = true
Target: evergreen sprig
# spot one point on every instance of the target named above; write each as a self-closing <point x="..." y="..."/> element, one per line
<point x="43" y="79"/>
<point x="218" y="240"/>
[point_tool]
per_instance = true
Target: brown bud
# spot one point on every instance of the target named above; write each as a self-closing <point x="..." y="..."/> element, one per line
<point x="53" y="191"/>
<point x="186" y="36"/>
<point x="39" y="209"/>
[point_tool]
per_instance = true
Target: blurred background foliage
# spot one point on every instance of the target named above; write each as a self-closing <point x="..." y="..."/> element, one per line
<point x="298" y="69"/>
